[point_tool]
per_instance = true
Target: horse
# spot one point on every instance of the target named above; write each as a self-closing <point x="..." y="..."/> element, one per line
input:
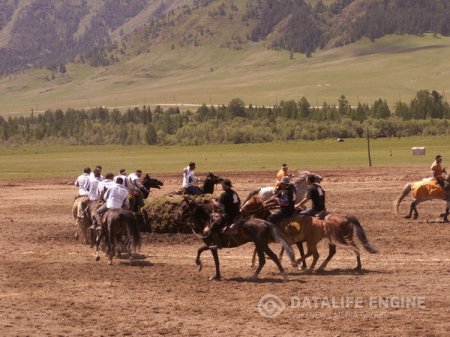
<point x="300" y="184"/>
<point x="208" y="185"/>
<point x="119" y="223"/>
<point x="80" y="221"/>
<point x="258" y="231"/>
<point x="149" y="182"/>
<point x="423" y="190"/>
<point x="338" y="228"/>
<point x="210" y="182"/>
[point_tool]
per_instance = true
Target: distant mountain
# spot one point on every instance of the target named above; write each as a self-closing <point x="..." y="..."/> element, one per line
<point x="51" y="33"/>
<point x="36" y="33"/>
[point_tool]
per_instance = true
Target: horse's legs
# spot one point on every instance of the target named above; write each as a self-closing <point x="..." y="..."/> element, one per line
<point x="97" y="242"/>
<point x="261" y="260"/>
<point x="198" y="262"/>
<point x="253" y="258"/>
<point x="412" y="209"/>
<point x="302" y="253"/>
<point x="312" y="250"/>
<point x="216" y="262"/>
<point x="331" y="252"/>
<point x="110" y="238"/>
<point x="275" y="259"/>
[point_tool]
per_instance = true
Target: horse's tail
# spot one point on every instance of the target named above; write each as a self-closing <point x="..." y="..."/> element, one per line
<point x="133" y="231"/>
<point x="405" y="192"/>
<point x="361" y="234"/>
<point x="279" y="237"/>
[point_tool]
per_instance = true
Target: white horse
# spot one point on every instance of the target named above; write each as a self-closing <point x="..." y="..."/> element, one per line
<point x="300" y="184"/>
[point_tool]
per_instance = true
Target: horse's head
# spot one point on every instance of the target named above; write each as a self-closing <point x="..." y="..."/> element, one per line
<point x="301" y="184"/>
<point x="149" y="182"/>
<point x="213" y="178"/>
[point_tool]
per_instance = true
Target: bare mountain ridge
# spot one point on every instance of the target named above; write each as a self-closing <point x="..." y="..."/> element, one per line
<point x="51" y="33"/>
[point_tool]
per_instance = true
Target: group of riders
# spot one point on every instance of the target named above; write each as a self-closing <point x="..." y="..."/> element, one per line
<point x="115" y="190"/>
<point x="284" y="200"/>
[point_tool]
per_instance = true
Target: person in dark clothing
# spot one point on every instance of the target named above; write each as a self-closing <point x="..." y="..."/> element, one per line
<point x="285" y="198"/>
<point x="230" y="203"/>
<point x="317" y="196"/>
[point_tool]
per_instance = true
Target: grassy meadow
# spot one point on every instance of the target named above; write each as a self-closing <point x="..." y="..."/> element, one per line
<point x="393" y="68"/>
<point x="68" y="161"/>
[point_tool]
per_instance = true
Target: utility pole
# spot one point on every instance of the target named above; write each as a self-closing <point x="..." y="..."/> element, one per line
<point x="368" y="146"/>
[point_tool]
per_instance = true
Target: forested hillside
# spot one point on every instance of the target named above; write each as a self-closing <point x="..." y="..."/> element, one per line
<point x="426" y="114"/>
<point x="51" y="33"/>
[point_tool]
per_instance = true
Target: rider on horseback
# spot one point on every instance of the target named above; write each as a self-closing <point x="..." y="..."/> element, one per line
<point x="317" y="195"/>
<point x="285" y="198"/>
<point x="115" y="198"/>
<point x="190" y="180"/>
<point x="82" y="183"/>
<point x="230" y="202"/>
<point x="135" y="186"/>
<point x="439" y="173"/>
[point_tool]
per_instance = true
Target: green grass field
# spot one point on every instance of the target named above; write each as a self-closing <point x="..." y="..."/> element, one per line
<point x="392" y="68"/>
<point x="68" y="161"/>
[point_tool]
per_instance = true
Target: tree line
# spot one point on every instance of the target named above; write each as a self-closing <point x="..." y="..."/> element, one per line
<point x="428" y="113"/>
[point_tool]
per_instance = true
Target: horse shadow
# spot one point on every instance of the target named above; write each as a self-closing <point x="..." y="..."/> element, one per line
<point x="263" y="280"/>
<point x="346" y="272"/>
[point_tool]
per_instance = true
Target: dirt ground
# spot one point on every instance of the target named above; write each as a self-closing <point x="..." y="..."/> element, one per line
<point x="51" y="284"/>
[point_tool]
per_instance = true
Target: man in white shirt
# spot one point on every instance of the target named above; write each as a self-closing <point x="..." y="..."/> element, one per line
<point x="98" y="168"/>
<point x="94" y="183"/>
<point x="82" y="183"/>
<point x="136" y="186"/>
<point x="106" y="184"/>
<point x="115" y="198"/>
<point x="123" y="174"/>
<point x="190" y="181"/>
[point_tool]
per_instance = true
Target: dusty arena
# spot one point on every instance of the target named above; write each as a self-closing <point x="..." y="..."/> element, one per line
<point x="51" y="284"/>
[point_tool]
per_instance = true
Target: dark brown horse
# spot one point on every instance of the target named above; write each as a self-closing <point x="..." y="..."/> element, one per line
<point x="119" y="223"/>
<point x="337" y="228"/>
<point x="258" y="231"/>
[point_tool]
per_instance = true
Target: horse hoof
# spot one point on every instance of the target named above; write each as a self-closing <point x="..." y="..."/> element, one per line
<point x="309" y="272"/>
<point x="76" y="235"/>
<point x="407" y="217"/>
<point x="285" y="277"/>
<point x="97" y="258"/>
<point x="415" y="217"/>
<point x="446" y="220"/>
<point x="214" y="278"/>
<point x="109" y="263"/>
<point x="200" y="267"/>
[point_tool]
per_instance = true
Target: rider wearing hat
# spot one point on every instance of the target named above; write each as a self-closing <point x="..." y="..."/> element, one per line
<point x="285" y="198"/>
<point x="317" y="195"/>
<point x="230" y="203"/>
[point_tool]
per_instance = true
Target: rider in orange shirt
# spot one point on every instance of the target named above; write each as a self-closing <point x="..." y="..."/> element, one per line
<point x="439" y="173"/>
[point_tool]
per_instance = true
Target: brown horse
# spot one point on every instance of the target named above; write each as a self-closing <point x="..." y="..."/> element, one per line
<point x="422" y="191"/>
<point x="119" y="223"/>
<point x="80" y="221"/>
<point x="258" y="231"/>
<point x="337" y="228"/>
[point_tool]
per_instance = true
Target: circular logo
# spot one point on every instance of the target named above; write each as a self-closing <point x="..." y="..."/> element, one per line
<point x="271" y="306"/>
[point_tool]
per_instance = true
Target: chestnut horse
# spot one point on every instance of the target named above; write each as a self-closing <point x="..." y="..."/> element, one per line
<point x="258" y="231"/>
<point x="424" y="190"/>
<point x="337" y="228"/>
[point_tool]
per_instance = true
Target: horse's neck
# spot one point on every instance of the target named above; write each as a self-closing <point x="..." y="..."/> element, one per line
<point x="208" y="186"/>
<point x="301" y="189"/>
